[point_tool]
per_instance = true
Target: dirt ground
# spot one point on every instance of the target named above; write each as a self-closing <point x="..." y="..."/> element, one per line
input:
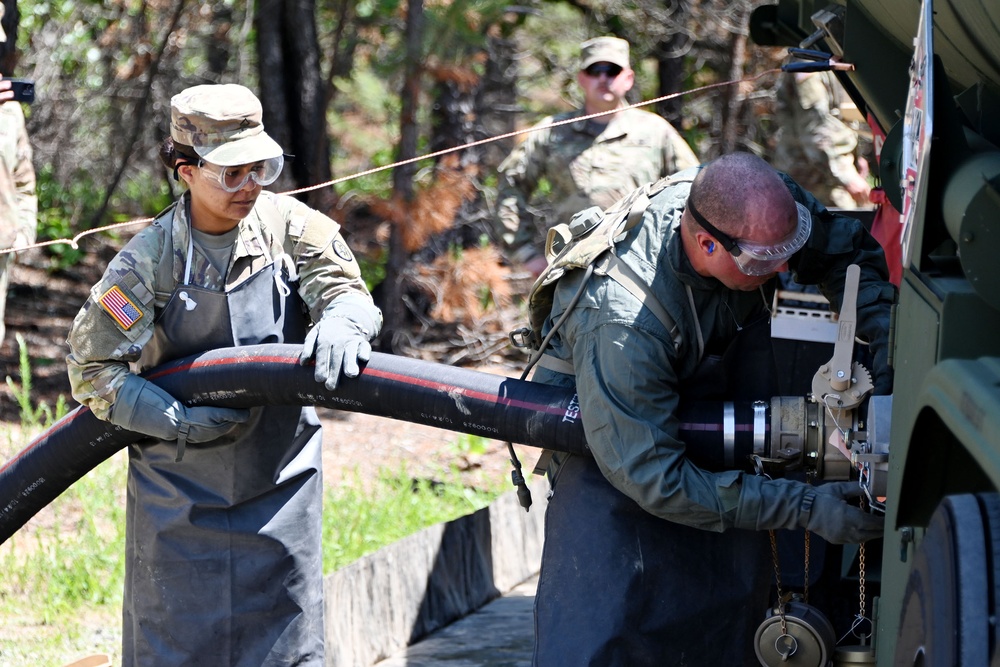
<point x="41" y="306"/>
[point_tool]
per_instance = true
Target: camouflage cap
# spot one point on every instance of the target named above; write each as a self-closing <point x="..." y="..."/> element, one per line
<point x="604" y="50"/>
<point x="222" y="123"/>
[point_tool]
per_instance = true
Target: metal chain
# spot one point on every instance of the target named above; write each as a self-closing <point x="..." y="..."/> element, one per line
<point x="862" y="606"/>
<point x="861" y="578"/>
<point x="777" y="581"/>
<point x="805" y="589"/>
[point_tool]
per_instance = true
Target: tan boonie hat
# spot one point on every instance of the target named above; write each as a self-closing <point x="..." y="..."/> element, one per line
<point x="604" y="50"/>
<point x="222" y="123"/>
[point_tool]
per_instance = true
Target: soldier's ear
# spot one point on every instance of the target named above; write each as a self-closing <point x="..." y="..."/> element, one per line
<point x="629" y="73"/>
<point x="186" y="172"/>
<point x="705" y="242"/>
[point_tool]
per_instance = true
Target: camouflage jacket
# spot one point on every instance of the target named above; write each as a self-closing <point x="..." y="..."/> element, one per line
<point x="102" y="349"/>
<point x="814" y="146"/>
<point x="18" y="203"/>
<point x="583" y="169"/>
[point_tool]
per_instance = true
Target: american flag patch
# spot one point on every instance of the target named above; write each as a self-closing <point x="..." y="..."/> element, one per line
<point x="120" y="307"/>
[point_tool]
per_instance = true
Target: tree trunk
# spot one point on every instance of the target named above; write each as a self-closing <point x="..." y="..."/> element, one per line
<point x="670" y="65"/>
<point x="402" y="177"/>
<point x="292" y="94"/>
<point x="8" y="49"/>
<point x="737" y="65"/>
<point x="497" y="97"/>
<point x="219" y="46"/>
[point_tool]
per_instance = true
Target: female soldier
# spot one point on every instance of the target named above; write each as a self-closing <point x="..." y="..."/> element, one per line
<point x="222" y="537"/>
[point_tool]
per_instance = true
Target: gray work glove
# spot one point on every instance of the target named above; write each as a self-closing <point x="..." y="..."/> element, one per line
<point x="339" y="341"/>
<point x="824" y="510"/>
<point x="143" y="407"/>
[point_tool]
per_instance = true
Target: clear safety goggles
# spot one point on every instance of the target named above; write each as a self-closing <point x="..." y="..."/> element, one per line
<point x="234" y="179"/>
<point x="755" y="259"/>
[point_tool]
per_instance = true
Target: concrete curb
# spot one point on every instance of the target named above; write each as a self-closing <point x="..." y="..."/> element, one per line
<point x="403" y="592"/>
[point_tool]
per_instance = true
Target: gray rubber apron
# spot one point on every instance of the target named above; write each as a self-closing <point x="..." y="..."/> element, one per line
<point x="223" y="548"/>
<point x="620" y="587"/>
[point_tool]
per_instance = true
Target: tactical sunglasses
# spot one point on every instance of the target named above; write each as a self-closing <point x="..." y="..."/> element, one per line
<point x="234" y="179"/>
<point x="598" y="69"/>
<point x="755" y="259"/>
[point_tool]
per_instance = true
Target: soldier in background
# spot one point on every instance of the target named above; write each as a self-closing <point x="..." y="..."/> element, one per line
<point x="814" y="145"/>
<point x="18" y="202"/>
<point x="589" y="163"/>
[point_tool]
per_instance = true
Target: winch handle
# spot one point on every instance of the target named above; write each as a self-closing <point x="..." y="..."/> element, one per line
<point x="847" y="323"/>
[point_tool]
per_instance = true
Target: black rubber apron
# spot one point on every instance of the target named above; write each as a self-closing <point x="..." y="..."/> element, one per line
<point x="224" y="562"/>
<point x="621" y="587"/>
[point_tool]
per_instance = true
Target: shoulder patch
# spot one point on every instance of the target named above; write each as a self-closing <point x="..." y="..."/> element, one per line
<point x="342" y="250"/>
<point x="118" y="304"/>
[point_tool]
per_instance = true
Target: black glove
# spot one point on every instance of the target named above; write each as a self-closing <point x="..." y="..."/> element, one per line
<point x="783" y="503"/>
<point x="826" y="512"/>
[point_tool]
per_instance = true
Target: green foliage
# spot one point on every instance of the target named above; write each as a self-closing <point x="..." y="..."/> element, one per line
<point x="376" y="184"/>
<point x="77" y="48"/>
<point x="59" y="208"/>
<point x="547" y="76"/>
<point x="32" y="416"/>
<point x="374" y="8"/>
<point x="364" y="96"/>
<point x="372" y="269"/>
<point x="543" y="189"/>
<point x="64" y="210"/>
<point x="144" y="193"/>
<point x="467" y="444"/>
<point x="370" y="95"/>
<point x="457" y="28"/>
<point x="357" y="522"/>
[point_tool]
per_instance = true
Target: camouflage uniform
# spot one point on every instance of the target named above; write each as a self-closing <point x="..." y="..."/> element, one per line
<point x="101" y="349"/>
<point x="18" y="202"/>
<point x="586" y="164"/>
<point x="814" y="146"/>
<point x="241" y="510"/>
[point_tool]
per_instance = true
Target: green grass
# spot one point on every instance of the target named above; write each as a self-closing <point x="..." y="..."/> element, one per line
<point x="33" y="414"/>
<point x="358" y="521"/>
<point x="60" y="593"/>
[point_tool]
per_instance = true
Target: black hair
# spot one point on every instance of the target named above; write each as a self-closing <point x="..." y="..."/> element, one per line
<point x="174" y="155"/>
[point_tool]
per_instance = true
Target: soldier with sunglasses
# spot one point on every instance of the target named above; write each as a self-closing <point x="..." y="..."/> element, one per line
<point x="591" y="162"/>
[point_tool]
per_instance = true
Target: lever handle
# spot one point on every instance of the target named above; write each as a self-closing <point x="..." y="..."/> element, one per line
<point x="847" y="324"/>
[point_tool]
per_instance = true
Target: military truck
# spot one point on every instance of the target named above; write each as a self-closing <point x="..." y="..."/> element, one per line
<point x="928" y="77"/>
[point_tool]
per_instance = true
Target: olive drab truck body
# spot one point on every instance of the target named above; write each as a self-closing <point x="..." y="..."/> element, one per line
<point x="928" y="77"/>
